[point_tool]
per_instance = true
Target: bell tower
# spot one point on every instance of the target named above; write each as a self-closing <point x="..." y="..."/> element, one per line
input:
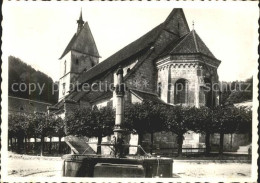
<point x="80" y="22"/>
<point x="79" y="56"/>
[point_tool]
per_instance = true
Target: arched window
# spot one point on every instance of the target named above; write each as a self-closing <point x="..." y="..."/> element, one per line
<point x="181" y="91"/>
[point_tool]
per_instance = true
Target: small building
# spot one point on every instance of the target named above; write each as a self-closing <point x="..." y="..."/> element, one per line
<point x="16" y="104"/>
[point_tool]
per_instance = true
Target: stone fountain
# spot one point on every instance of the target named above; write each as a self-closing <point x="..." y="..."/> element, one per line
<point x="81" y="164"/>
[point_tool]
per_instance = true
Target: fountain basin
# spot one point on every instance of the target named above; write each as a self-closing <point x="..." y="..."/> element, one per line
<point x="75" y="165"/>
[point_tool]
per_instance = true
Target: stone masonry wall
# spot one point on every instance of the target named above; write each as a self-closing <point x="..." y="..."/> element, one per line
<point x="168" y="76"/>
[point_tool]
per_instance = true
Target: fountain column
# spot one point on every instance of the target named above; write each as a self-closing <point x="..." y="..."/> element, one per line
<point x="120" y="92"/>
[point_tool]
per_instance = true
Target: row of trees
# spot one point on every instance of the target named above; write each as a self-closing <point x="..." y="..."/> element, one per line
<point x="23" y="126"/>
<point x="150" y="117"/>
<point x="236" y="91"/>
<point x="140" y="118"/>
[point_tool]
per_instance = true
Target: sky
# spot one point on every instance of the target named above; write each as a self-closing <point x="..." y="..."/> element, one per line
<point x="38" y="32"/>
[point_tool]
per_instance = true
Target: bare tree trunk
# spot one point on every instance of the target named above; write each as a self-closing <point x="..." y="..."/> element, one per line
<point x="99" y="144"/>
<point x="35" y="144"/>
<point x="140" y="140"/>
<point x="8" y="143"/>
<point x="50" y="145"/>
<point x="42" y="145"/>
<point x="11" y="143"/>
<point x="15" y="143"/>
<point x="19" y="144"/>
<point x="207" y="142"/>
<point x="180" y="142"/>
<point x="29" y="144"/>
<point x="25" y="145"/>
<point x="59" y="145"/>
<point x="151" y="150"/>
<point x="221" y="144"/>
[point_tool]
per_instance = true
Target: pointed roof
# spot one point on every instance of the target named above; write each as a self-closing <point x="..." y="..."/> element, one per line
<point x="143" y="43"/>
<point x="190" y="43"/>
<point x="146" y="96"/>
<point x="80" y="17"/>
<point x="82" y="42"/>
<point x="133" y="48"/>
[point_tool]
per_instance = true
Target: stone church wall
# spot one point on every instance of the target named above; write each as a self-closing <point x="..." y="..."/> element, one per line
<point x="144" y="78"/>
<point x="175" y="28"/>
<point x="168" y="76"/>
<point x="80" y="61"/>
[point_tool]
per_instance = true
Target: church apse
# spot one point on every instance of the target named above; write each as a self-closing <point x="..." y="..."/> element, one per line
<point x="182" y="69"/>
<point x="179" y="83"/>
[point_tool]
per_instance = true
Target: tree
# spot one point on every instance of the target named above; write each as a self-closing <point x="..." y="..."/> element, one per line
<point x="225" y="121"/>
<point x="59" y="126"/>
<point x="134" y="120"/>
<point x="178" y="120"/>
<point x="17" y="127"/>
<point x="44" y="126"/>
<point x="102" y="123"/>
<point x="245" y="124"/>
<point x="155" y="119"/>
<point x="91" y="122"/>
<point x="145" y="117"/>
<point x="202" y="123"/>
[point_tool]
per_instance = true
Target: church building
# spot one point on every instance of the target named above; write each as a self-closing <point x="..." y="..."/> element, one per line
<point x="169" y="64"/>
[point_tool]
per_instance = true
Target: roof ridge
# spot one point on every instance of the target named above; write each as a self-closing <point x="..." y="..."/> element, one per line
<point x="85" y="28"/>
<point x="144" y="92"/>
<point x="198" y="37"/>
<point x="30" y="100"/>
<point x="195" y="40"/>
<point x="181" y="41"/>
<point x="144" y="41"/>
<point x="133" y="92"/>
<point x="134" y="41"/>
<point x="164" y="22"/>
<point x="68" y="46"/>
<point x="75" y="38"/>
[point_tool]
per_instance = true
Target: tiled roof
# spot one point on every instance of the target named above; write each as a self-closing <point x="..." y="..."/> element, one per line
<point x="16" y="104"/>
<point x="82" y="42"/>
<point x="102" y="96"/>
<point x="143" y="43"/>
<point x="145" y="96"/>
<point x="190" y="43"/>
<point x="133" y="48"/>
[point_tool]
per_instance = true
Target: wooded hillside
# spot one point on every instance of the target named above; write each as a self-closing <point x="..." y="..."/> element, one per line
<point x="20" y="72"/>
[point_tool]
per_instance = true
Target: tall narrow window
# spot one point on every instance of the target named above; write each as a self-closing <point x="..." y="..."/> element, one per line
<point x="209" y="93"/>
<point x="65" y="67"/>
<point x="63" y="88"/>
<point x="77" y="62"/>
<point x="160" y="89"/>
<point x="181" y="91"/>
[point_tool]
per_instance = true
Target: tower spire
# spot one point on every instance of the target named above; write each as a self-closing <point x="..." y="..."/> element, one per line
<point x="80" y="22"/>
<point x="193" y="25"/>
